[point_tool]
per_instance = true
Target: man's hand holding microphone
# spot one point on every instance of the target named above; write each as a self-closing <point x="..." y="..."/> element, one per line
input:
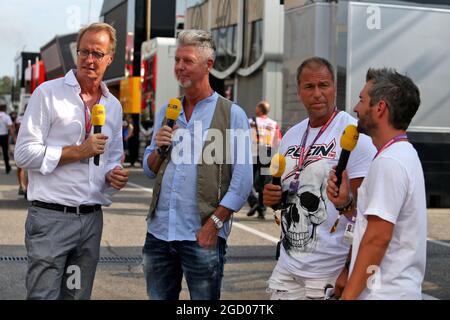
<point x="338" y="186"/>
<point x="117" y="177"/>
<point x="165" y="134"/>
<point x="272" y="191"/>
<point x="95" y="144"/>
<point x="163" y="138"/>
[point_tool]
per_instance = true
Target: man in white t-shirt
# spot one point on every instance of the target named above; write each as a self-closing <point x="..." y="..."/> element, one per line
<point x="389" y="247"/>
<point x="313" y="247"/>
<point x="6" y="129"/>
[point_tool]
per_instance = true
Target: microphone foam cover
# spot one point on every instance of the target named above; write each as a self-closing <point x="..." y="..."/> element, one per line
<point x="98" y="115"/>
<point x="277" y="165"/>
<point x="349" y="137"/>
<point x="173" y="109"/>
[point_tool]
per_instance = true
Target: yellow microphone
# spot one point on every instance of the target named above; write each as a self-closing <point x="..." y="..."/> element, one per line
<point x="277" y="167"/>
<point x="98" y="120"/>
<point x="348" y="143"/>
<point x="172" y="113"/>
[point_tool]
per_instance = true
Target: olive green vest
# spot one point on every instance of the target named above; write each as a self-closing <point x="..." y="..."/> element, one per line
<point x="213" y="179"/>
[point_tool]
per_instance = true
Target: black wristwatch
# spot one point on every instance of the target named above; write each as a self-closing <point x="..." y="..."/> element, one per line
<point x="161" y="152"/>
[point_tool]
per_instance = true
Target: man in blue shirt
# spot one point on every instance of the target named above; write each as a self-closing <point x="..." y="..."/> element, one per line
<point x="200" y="182"/>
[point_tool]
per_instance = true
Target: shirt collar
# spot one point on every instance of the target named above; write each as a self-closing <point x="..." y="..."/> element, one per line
<point x="72" y="81"/>
<point x="213" y="97"/>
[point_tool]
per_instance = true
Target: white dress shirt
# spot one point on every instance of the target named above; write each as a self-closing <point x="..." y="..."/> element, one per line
<point x="55" y="118"/>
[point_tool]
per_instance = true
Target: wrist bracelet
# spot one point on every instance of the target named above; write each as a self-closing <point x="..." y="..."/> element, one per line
<point x="347" y="207"/>
<point x="347" y="265"/>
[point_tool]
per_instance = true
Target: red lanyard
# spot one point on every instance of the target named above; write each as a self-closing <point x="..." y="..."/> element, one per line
<point x="400" y="137"/>
<point x="303" y="150"/>
<point x="87" y="121"/>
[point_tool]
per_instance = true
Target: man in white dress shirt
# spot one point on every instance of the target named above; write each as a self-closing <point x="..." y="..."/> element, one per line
<point x="66" y="189"/>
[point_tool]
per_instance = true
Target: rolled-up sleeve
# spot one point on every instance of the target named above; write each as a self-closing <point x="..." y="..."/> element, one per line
<point x="31" y="152"/>
<point x="242" y="166"/>
<point x="52" y="155"/>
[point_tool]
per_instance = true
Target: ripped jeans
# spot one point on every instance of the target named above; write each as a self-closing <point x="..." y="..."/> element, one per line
<point x="166" y="262"/>
<point x="283" y="285"/>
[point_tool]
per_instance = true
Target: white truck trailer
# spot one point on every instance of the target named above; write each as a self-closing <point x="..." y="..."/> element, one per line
<point x="355" y="36"/>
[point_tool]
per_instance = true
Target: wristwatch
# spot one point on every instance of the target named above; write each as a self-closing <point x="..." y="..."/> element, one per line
<point x="161" y="152"/>
<point x="217" y="222"/>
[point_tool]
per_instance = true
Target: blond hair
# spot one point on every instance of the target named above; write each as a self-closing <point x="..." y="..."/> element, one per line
<point x="98" y="27"/>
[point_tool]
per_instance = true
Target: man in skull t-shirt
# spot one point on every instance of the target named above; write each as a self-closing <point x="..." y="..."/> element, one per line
<point x="309" y="249"/>
<point x="313" y="249"/>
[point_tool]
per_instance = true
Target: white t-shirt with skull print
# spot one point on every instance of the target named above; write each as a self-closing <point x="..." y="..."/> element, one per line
<point x="308" y="248"/>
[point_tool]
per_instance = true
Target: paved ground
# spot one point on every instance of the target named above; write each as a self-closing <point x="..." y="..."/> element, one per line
<point x="250" y="253"/>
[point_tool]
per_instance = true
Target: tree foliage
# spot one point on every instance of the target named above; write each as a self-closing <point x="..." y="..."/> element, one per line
<point x="5" y="85"/>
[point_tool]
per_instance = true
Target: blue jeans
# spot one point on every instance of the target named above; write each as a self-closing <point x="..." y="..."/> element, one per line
<point x="166" y="262"/>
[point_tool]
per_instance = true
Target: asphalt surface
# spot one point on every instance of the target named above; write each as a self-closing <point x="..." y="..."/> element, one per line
<point x="250" y="254"/>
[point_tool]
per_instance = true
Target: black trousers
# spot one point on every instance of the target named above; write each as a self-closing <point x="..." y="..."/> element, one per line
<point x="259" y="181"/>
<point x="4" y="142"/>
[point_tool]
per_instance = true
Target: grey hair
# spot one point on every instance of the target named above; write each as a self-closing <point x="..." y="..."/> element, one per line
<point x="198" y="38"/>
<point x="399" y="92"/>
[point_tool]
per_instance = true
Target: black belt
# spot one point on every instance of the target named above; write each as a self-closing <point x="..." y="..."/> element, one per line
<point x="83" y="209"/>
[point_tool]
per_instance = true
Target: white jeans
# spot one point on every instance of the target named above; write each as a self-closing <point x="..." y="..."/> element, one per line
<point x="285" y="286"/>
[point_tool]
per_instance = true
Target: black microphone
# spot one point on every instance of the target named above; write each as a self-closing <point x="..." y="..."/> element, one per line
<point x="172" y="112"/>
<point x="98" y="120"/>
<point x="348" y="143"/>
<point x="277" y="167"/>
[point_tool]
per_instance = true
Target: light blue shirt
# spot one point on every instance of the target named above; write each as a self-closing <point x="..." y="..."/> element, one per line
<point x="177" y="216"/>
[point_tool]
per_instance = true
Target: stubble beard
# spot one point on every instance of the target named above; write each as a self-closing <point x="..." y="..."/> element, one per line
<point x="367" y="126"/>
<point x="185" y="84"/>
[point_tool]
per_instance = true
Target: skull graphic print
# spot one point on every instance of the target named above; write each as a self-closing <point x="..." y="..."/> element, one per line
<point x="305" y="210"/>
